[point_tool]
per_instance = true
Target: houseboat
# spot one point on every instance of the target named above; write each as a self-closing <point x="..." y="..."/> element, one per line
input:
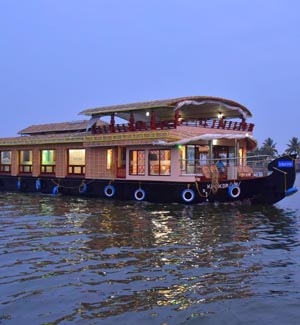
<point x="184" y="150"/>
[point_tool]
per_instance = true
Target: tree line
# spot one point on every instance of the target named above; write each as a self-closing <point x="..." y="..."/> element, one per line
<point x="269" y="148"/>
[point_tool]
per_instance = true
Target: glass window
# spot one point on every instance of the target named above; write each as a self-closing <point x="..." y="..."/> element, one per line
<point x="25" y="161"/>
<point x="76" y="161"/>
<point x="5" y="164"/>
<point x="109" y="158"/>
<point x="182" y="157"/>
<point x="48" y="161"/>
<point x="159" y="162"/>
<point x="48" y="157"/>
<point x="203" y="155"/>
<point x="26" y="157"/>
<point x="5" y="157"/>
<point x="121" y="157"/>
<point x="190" y="159"/>
<point x="137" y="162"/>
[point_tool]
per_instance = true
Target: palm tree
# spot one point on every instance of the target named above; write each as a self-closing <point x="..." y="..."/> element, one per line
<point x="293" y="146"/>
<point x="269" y="148"/>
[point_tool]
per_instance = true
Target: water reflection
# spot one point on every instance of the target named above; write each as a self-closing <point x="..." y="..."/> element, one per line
<point x="105" y="259"/>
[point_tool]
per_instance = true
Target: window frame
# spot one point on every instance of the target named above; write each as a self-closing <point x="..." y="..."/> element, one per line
<point x="5" y="167"/>
<point x="48" y="168"/>
<point x="160" y="168"/>
<point x="72" y="168"/>
<point x="134" y="164"/>
<point x="25" y="165"/>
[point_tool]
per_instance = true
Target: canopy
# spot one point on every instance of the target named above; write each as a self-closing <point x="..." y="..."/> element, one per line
<point x="193" y="107"/>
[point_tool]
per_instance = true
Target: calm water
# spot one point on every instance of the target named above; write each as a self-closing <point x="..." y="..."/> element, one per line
<point x="87" y="261"/>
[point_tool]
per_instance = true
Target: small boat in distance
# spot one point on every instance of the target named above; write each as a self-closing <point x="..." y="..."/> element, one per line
<point x="182" y="150"/>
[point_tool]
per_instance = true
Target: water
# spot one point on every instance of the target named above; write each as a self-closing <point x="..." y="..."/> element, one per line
<point x="70" y="260"/>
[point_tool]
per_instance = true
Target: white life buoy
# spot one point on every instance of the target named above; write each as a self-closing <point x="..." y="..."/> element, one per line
<point x="188" y="195"/>
<point x="109" y="190"/>
<point x="139" y="194"/>
<point x="234" y="191"/>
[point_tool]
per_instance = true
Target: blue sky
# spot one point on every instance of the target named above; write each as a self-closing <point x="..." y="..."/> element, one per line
<point x="59" y="57"/>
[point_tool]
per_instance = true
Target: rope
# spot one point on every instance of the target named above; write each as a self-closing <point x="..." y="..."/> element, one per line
<point x="198" y="190"/>
<point x="214" y="182"/>
<point x="71" y="187"/>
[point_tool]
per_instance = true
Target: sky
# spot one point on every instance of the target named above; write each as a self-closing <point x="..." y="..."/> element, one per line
<point x="60" y="57"/>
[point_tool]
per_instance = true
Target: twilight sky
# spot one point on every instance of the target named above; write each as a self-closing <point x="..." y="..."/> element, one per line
<point x="59" y="57"/>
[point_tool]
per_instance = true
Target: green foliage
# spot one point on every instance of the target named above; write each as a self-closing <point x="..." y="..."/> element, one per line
<point x="269" y="148"/>
<point x="293" y="146"/>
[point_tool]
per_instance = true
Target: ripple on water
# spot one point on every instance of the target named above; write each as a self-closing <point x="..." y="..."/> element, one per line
<point x="86" y="260"/>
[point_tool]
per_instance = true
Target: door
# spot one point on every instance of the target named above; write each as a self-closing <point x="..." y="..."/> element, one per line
<point x="121" y="162"/>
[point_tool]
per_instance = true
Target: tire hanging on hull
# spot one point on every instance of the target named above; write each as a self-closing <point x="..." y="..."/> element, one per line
<point x="109" y="190"/>
<point x="188" y="195"/>
<point x="139" y="194"/>
<point x="234" y="191"/>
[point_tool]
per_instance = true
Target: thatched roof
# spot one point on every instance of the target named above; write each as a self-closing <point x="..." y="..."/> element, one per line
<point x="190" y="107"/>
<point x="64" y="127"/>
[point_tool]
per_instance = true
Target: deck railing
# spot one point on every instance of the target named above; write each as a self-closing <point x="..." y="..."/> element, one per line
<point x="166" y="124"/>
<point x="221" y="124"/>
<point x="232" y="168"/>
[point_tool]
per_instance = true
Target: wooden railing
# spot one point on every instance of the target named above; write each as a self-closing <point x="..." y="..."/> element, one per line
<point x="221" y="124"/>
<point x="137" y="126"/>
<point x="163" y="125"/>
<point x="255" y="166"/>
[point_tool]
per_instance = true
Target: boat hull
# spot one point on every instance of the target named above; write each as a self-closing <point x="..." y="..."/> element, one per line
<point x="259" y="190"/>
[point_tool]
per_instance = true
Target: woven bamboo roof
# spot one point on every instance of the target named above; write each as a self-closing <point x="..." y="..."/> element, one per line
<point x="64" y="127"/>
<point x="190" y="107"/>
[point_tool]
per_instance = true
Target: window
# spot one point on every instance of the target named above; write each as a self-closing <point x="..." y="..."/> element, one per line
<point x="192" y="157"/>
<point x="159" y="162"/>
<point x="48" y="161"/>
<point x="109" y="158"/>
<point x="25" y="161"/>
<point x="76" y="161"/>
<point x="121" y="162"/>
<point x="227" y="154"/>
<point x="121" y="157"/>
<point x="182" y="157"/>
<point x="5" y="163"/>
<point x="137" y="162"/>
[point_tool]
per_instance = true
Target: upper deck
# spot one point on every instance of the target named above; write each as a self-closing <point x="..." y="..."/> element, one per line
<point x="171" y="119"/>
